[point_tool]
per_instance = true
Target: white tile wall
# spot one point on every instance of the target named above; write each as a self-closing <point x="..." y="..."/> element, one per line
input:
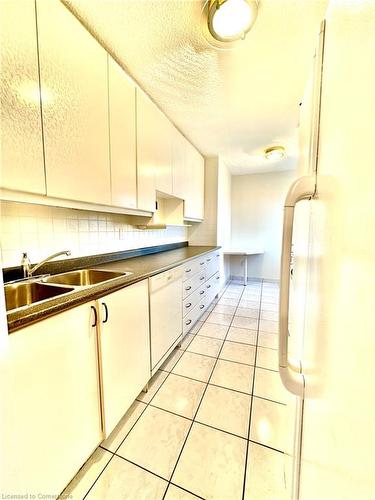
<point x="42" y="230"/>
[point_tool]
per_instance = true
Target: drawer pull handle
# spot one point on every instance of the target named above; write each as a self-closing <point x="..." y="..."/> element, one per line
<point x="217" y="277"/>
<point x="201" y="293"/>
<point x="188" y="288"/>
<point x="208" y="260"/>
<point x="187" y="270"/>
<point x="201" y="263"/>
<point x="208" y="286"/>
<point x="202" y="278"/>
<point x="188" y="322"/>
<point x="201" y="306"/>
<point x="188" y="305"/>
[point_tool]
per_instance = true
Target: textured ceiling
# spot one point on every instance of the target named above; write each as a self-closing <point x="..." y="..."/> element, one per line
<point x="231" y="103"/>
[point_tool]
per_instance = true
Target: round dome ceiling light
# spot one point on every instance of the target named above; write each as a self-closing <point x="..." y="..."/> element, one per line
<point x="275" y="153"/>
<point x="230" y="20"/>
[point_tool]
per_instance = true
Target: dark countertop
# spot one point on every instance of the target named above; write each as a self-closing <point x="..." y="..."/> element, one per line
<point x="142" y="267"/>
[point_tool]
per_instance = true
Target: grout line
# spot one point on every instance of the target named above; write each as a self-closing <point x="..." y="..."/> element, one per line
<point x="266" y="446"/>
<point x="252" y="397"/>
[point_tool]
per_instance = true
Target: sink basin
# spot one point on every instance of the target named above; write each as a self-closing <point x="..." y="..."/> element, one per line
<point x="84" y="277"/>
<point x="24" y="294"/>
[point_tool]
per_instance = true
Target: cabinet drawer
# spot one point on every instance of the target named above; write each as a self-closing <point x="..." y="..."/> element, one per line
<point x="192" y="300"/>
<point x="190" y="319"/>
<point x="193" y="267"/>
<point x="212" y="264"/>
<point x="193" y="283"/>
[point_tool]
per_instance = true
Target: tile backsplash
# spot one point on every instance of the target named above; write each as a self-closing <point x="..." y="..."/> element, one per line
<point x="42" y="230"/>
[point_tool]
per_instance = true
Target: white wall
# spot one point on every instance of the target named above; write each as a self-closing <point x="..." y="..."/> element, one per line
<point x="224" y="208"/>
<point x="205" y="233"/>
<point x="42" y="230"/>
<point x="257" y="210"/>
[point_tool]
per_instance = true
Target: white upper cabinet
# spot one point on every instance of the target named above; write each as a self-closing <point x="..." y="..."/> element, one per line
<point x="122" y="128"/>
<point x="194" y="196"/>
<point x="73" y="71"/>
<point x="178" y="164"/>
<point x="147" y="151"/>
<point x="163" y="167"/>
<point x="22" y="164"/>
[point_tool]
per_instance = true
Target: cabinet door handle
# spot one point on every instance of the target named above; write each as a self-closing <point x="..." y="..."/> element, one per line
<point x="208" y="260"/>
<point x="106" y="312"/>
<point x="188" y="322"/>
<point x="202" y="278"/>
<point x="201" y="293"/>
<point x="187" y="287"/>
<point x="188" y="305"/>
<point x="201" y="306"/>
<point x="187" y="270"/>
<point x="201" y="263"/>
<point x="217" y="277"/>
<point x="208" y="286"/>
<point x="95" y="316"/>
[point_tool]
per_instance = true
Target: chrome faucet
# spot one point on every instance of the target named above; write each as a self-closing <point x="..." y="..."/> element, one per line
<point x="26" y="264"/>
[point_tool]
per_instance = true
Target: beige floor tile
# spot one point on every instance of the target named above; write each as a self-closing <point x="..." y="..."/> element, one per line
<point x="122" y="480"/>
<point x="251" y="297"/>
<point x="214" y="331"/>
<point x="222" y="309"/>
<point x="268" y="423"/>
<point x="242" y="335"/>
<point x="179" y="395"/>
<point x="252" y="304"/>
<point x="240" y="322"/>
<point x="172" y="359"/>
<point x="232" y="294"/>
<point x="270" y="298"/>
<point x="205" y="345"/>
<point x="153" y="386"/>
<point x="195" y="366"/>
<point x="186" y="341"/>
<point x="228" y="302"/>
<point x="269" y="340"/>
<point x="267" y="358"/>
<point x="175" y="493"/>
<point x="82" y="482"/>
<point x="270" y="315"/>
<point x="156" y="441"/>
<point x="268" y="385"/>
<point x="246" y="312"/>
<point x="266" y="306"/>
<point x="212" y="464"/>
<point x="118" y="434"/>
<point x="241" y="353"/>
<point x="265" y="474"/>
<point x="269" y="326"/>
<point x="226" y="410"/>
<point x="233" y="376"/>
<point x="220" y="319"/>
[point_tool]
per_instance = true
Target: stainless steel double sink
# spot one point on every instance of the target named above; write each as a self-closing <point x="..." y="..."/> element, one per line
<point x="26" y="293"/>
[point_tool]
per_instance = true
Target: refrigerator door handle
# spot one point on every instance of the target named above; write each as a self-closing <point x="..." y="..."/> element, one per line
<point x="303" y="188"/>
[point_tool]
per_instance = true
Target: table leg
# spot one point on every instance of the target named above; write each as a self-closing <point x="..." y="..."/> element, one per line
<point x="245" y="272"/>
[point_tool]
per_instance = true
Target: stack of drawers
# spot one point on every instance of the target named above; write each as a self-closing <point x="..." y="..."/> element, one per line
<point x="201" y="283"/>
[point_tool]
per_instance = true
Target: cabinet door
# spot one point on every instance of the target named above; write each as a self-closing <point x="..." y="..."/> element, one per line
<point x="163" y="168"/>
<point x="22" y="164"/>
<point x="122" y="137"/>
<point x="179" y="183"/>
<point x="50" y="414"/>
<point x="73" y="71"/>
<point x="125" y="349"/>
<point x="147" y="151"/>
<point x="165" y="312"/>
<point x="194" y="200"/>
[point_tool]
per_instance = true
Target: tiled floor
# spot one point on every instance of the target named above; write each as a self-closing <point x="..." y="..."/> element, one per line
<point x="214" y="421"/>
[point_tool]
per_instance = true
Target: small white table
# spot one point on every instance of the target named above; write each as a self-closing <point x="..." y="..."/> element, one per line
<point x="245" y="252"/>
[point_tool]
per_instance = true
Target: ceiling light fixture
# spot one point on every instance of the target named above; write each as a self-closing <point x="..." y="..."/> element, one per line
<point x="274" y="153"/>
<point x="230" y="20"/>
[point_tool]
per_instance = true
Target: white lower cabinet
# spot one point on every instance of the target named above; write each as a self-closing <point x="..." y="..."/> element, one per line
<point x="165" y="312"/>
<point x="50" y="412"/>
<point x="124" y="350"/>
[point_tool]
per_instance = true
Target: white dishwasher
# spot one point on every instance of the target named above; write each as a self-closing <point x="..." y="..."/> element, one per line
<point x="165" y="312"/>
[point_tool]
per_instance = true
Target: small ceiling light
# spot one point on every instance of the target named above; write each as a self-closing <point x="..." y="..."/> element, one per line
<point x="274" y="153"/>
<point x="230" y="20"/>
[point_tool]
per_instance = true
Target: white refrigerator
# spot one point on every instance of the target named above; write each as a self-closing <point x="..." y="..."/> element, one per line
<point x="327" y="327"/>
